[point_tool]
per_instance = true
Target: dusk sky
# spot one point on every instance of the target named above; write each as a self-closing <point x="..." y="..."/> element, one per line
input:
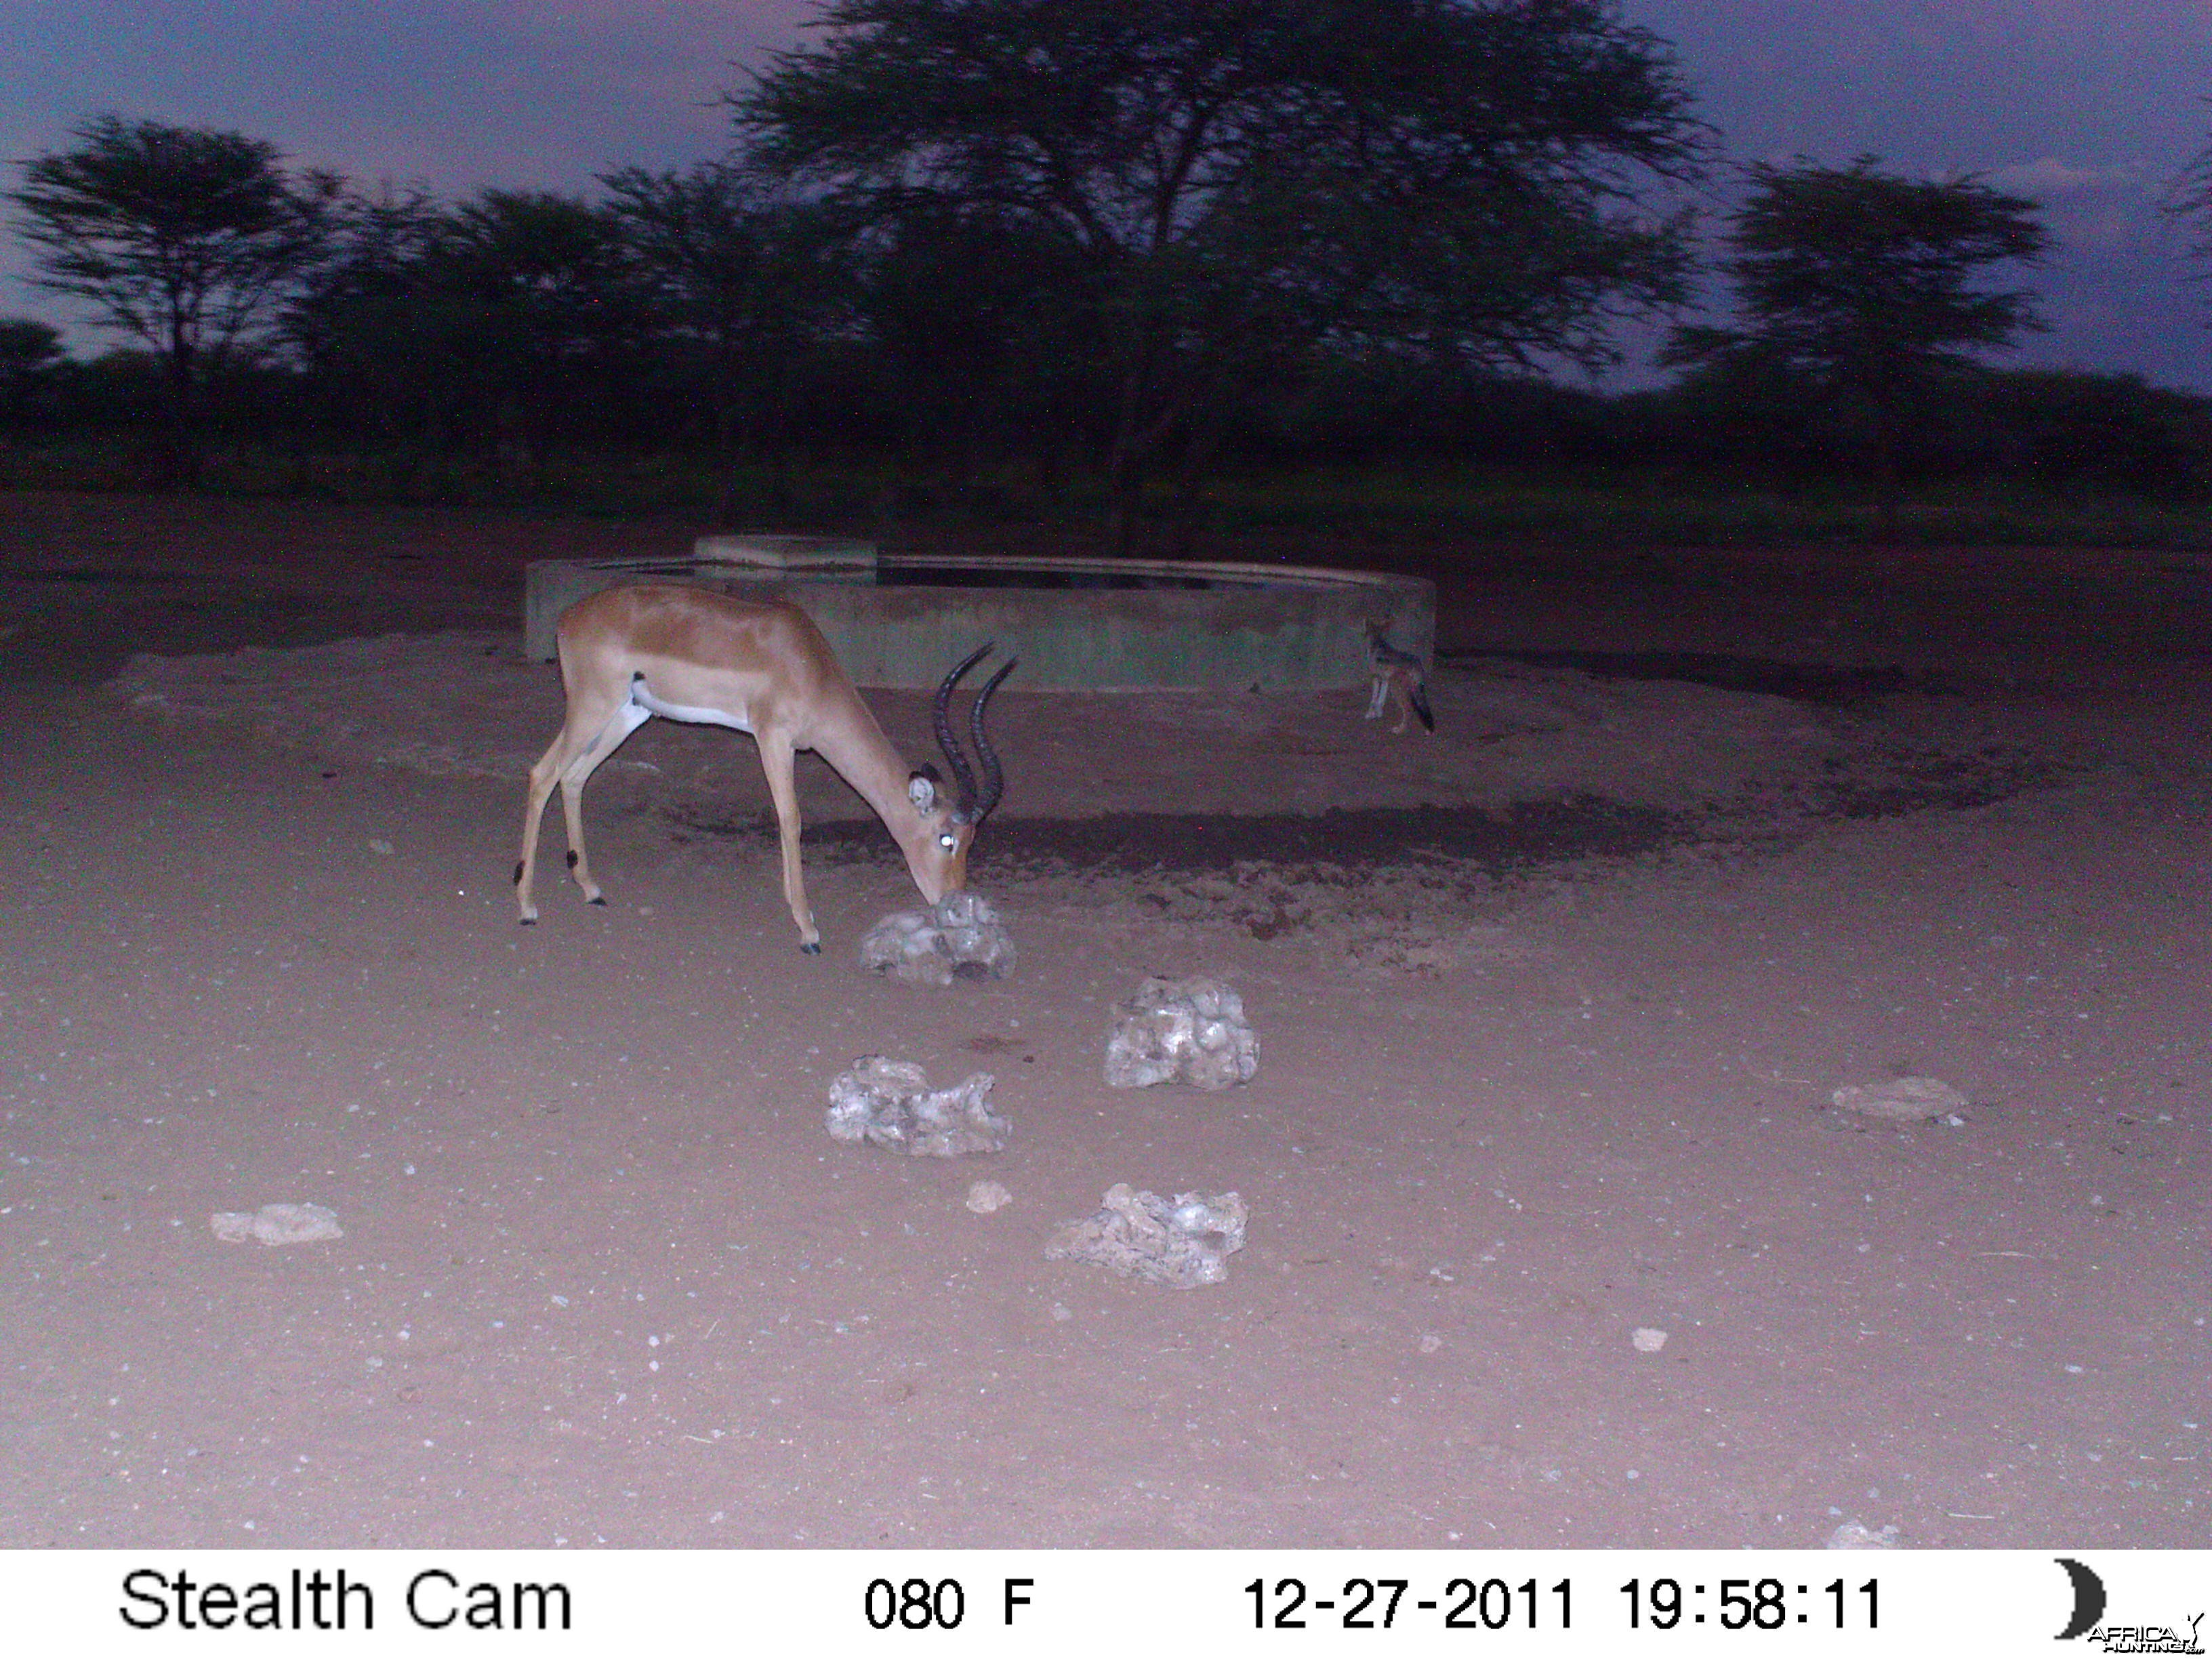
<point x="2091" y="106"/>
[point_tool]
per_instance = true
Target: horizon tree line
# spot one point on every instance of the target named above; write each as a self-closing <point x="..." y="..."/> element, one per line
<point x="1112" y="233"/>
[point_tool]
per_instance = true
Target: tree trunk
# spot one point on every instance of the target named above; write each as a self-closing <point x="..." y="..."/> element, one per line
<point x="512" y="446"/>
<point x="1139" y="434"/>
<point x="727" y="432"/>
<point x="178" y="455"/>
<point x="1125" y="490"/>
<point x="1888" y="483"/>
<point x="722" y="514"/>
<point x="1125" y="486"/>
<point x="1199" y="449"/>
<point x="1125" y="460"/>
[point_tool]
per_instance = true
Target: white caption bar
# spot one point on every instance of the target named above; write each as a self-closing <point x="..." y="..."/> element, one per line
<point x="671" y="1604"/>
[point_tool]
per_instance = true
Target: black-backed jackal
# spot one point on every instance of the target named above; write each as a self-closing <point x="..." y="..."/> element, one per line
<point x="1398" y="678"/>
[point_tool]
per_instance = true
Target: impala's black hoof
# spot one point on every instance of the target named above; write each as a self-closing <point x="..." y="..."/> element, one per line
<point x="812" y="950"/>
<point x="600" y="901"/>
<point x="527" y="922"/>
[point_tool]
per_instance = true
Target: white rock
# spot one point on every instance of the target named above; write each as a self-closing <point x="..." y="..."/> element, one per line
<point x="1901" y="1100"/>
<point x="988" y="1198"/>
<point x="1185" y="1242"/>
<point x="960" y="937"/>
<point x="890" y="1102"/>
<point x="1647" y="1340"/>
<point x="1851" y="1536"/>
<point x="1182" y="1030"/>
<point x="277" y="1224"/>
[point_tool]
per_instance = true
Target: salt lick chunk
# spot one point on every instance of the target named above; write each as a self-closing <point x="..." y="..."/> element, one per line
<point x="1901" y="1100"/>
<point x="890" y="1102"/>
<point x="987" y="1197"/>
<point x="277" y="1224"/>
<point x="1184" y="1242"/>
<point x="959" y="937"/>
<point x="1181" y="1030"/>
<point x="1857" y="1535"/>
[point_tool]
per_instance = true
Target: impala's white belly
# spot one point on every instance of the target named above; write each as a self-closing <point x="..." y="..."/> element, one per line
<point x="641" y="695"/>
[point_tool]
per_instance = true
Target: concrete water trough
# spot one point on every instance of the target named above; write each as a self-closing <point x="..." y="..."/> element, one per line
<point x="896" y="620"/>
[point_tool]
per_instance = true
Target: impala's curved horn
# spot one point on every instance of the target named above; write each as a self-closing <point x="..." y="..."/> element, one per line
<point x="995" y="778"/>
<point x="941" y="708"/>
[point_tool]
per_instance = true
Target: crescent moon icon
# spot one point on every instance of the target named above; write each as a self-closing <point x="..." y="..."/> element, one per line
<point x="2088" y="1599"/>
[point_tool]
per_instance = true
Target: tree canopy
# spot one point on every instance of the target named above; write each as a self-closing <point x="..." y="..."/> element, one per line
<point x="744" y="283"/>
<point x="1867" y="285"/>
<point x="1244" y="183"/>
<point x="993" y="241"/>
<point x="1863" y="276"/>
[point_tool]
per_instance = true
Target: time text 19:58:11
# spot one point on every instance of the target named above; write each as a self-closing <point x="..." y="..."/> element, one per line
<point x="1750" y="1604"/>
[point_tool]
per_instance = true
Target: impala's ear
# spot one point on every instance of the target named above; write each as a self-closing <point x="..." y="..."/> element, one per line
<point x="921" y="790"/>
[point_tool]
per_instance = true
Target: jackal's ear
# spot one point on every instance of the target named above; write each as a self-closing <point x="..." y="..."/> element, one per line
<point x="922" y="789"/>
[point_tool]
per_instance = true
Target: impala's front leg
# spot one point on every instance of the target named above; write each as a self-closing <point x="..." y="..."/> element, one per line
<point x="779" y="760"/>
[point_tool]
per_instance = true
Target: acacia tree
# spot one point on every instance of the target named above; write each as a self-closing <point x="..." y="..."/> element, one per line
<point x="366" y="325"/>
<point x="184" y="239"/>
<point x="1245" y="182"/>
<point x="743" y="280"/>
<point x="1865" y="284"/>
<point x="511" y="315"/>
<point x="979" y="341"/>
<point x="550" y="314"/>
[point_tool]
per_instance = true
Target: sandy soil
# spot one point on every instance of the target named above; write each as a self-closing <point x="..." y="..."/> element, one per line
<point x="1551" y="1008"/>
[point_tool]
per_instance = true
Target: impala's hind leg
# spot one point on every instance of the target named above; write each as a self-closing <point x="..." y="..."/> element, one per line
<point x="543" y="777"/>
<point x="591" y="732"/>
<point x="627" y="719"/>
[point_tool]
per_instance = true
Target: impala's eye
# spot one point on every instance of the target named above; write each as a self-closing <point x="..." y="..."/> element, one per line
<point x="947" y="842"/>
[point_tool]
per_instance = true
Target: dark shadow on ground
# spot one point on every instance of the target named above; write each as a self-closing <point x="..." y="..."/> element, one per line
<point x="1814" y="682"/>
<point x="1121" y="843"/>
<point x="1495" y="839"/>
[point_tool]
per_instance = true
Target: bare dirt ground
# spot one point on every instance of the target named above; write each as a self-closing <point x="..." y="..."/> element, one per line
<point x="1551" y="1008"/>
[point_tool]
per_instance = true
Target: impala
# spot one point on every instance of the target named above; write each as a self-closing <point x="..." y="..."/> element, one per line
<point x="631" y="652"/>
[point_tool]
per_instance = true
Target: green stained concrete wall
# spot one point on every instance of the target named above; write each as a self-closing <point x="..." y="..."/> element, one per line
<point x="1262" y="627"/>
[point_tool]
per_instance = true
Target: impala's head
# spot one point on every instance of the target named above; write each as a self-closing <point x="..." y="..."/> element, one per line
<point x="937" y="852"/>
